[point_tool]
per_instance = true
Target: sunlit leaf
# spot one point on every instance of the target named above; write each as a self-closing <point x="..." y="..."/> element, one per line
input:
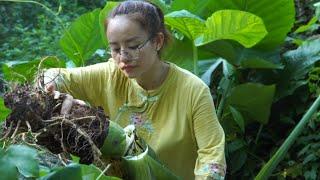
<point x="278" y="16"/>
<point x="189" y="24"/>
<point x="243" y="27"/>
<point x="83" y="38"/>
<point x="26" y="70"/>
<point x="4" y="112"/>
<point x="102" y="18"/>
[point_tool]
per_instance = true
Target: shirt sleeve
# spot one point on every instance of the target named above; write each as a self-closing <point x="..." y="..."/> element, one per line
<point x="85" y="83"/>
<point x="210" y="137"/>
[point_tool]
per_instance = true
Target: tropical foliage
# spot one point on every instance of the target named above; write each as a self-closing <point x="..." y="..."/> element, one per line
<point x="260" y="59"/>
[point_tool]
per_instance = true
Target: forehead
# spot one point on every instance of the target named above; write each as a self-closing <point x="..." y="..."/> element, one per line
<point x="122" y="28"/>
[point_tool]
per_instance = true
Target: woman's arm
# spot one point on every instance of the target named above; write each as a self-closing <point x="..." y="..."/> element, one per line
<point x="210" y="138"/>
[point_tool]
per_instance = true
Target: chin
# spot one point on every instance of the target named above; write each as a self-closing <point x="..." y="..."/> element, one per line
<point x="130" y="75"/>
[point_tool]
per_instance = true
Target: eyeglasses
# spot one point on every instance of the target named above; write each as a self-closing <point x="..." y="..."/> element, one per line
<point x="132" y="53"/>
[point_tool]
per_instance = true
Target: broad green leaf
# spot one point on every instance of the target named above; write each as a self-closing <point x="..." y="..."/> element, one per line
<point x="77" y="172"/>
<point x="278" y="16"/>
<point x="83" y="38"/>
<point x="238" y="159"/>
<point x="243" y="27"/>
<point x="26" y="70"/>
<point x="115" y="143"/>
<point x="4" y="112"/>
<point x="258" y="63"/>
<point x="193" y="6"/>
<point x="235" y="145"/>
<point x="254" y="100"/>
<point x="18" y="158"/>
<point x="237" y="116"/>
<point x="72" y="171"/>
<point x="297" y="64"/>
<point x="180" y="53"/>
<point x="90" y="172"/>
<point x="162" y="5"/>
<point x="143" y="166"/>
<point x="188" y="24"/>
<point x="206" y="77"/>
<point x="102" y="18"/>
<point x="227" y="70"/>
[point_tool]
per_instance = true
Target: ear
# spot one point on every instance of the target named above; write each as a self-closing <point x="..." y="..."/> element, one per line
<point x="159" y="41"/>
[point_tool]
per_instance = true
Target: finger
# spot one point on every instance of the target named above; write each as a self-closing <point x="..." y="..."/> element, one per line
<point x="50" y="88"/>
<point x="79" y="102"/>
<point x="67" y="104"/>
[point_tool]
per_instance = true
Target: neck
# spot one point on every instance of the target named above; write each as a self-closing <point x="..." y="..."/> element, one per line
<point x="155" y="77"/>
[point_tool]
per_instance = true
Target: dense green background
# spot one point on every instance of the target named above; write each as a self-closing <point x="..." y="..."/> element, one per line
<point x="263" y="79"/>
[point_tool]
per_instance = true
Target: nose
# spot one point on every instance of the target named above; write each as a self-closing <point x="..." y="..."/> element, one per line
<point x="124" y="56"/>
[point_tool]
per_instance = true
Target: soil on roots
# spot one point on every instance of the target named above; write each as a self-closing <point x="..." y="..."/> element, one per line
<point x="81" y="133"/>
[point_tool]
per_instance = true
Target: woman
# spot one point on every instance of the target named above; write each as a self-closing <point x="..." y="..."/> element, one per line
<point x="171" y="108"/>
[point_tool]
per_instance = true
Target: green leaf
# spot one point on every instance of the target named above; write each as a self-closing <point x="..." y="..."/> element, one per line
<point x="307" y="26"/>
<point x="235" y="145"/>
<point x="90" y="172"/>
<point x="102" y="18"/>
<point x="238" y="159"/>
<point x="278" y="17"/>
<point x="297" y="64"/>
<point x="115" y="143"/>
<point x="72" y="171"/>
<point x="4" y="112"/>
<point x="83" y="38"/>
<point x="162" y="5"/>
<point x="268" y="168"/>
<point x="194" y="6"/>
<point x="18" y="158"/>
<point x="180" y="53"/>
<point x="188" y="24"/>
<point x="143" y="166"/>
<point x="22" y="71"/>
<point x="258" y="63"/>
<point x="238" y="118"/>
<point x="254" y="100"/>
<point x="243" y="27"/>
<point x="206" y="77"/>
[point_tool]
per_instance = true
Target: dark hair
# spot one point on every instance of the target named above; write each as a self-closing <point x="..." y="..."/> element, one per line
<point x="148" y="15"/>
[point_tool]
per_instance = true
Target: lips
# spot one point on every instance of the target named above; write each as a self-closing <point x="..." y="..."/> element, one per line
<point x="127" y="67"/>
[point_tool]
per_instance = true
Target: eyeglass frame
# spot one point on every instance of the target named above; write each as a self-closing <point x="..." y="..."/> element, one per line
<point x="136" y="50"/>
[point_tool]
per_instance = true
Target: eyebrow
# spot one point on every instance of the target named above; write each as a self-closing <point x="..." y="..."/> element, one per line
<point x="128" y="40"/>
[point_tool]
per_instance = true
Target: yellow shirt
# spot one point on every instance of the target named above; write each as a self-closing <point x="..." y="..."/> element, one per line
<point x="177" y="120"/>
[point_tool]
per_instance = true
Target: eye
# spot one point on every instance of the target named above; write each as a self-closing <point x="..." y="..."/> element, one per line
<point x="115" y="49"/>
<point x="134" y="47"/>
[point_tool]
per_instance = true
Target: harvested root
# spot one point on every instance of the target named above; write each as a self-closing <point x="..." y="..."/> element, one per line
<point x="81" y="133"/>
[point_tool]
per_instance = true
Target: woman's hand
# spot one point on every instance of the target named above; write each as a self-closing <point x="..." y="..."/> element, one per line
<point x="68" y="101"/>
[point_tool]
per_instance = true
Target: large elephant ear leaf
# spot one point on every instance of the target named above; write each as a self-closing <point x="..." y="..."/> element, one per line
<point x="278" y="17"/>
<point x="185" y="22"/>
<point x="83" y="38"/>
<point x="102" y="17"/>
<point x="243" y="27"/>
<point x="18" y="159"/>
<point x="254" y="100"/>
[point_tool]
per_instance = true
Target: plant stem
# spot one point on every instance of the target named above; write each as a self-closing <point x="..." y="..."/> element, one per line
<point x="195" y="59"/>
<point x="258" y="135"/>
<point x="267" y="169"/>
<point x="223" y="98"/>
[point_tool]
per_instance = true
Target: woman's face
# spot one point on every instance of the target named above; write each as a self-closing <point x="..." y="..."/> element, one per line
<point x="131" y="47"/>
